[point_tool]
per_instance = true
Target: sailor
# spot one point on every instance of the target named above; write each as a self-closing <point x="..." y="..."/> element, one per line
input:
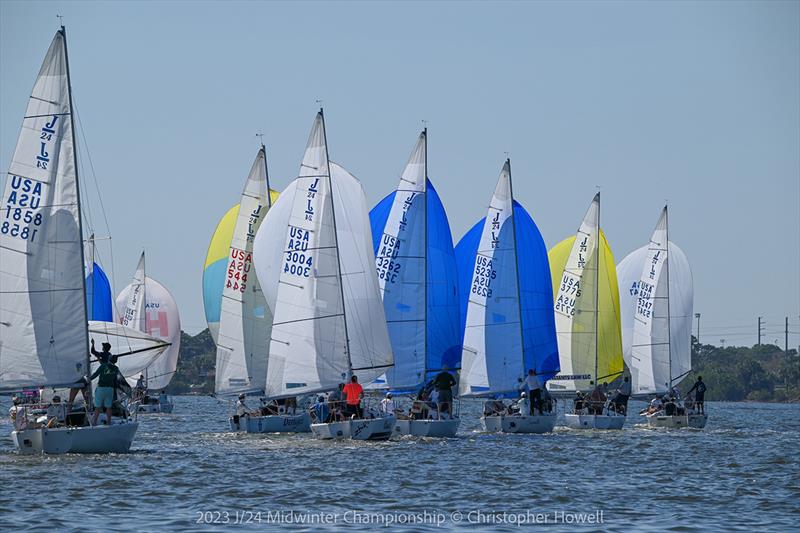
<point x="335" y="399"/>
<point x="105" y="355"/>
<point x="241" y="407"/>
<point x="524" y="405"/>
<point x="321" y="410"/>
<point x="597" y="399"/>
<point x="533" y="385"/>
<point x="623" y="395"/>
<point x="104" y="393"/>
<point x="444" y="383"/>
<point x="353" y="391"/>
<point x="141" y="386"/>
<point x="699" y="389"/>
<point x="579" y="403"/>
<point x="388" y="405"/>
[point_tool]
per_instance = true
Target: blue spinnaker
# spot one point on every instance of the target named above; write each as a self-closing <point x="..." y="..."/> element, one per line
<point x="98" y="295"/>
<point x="508" y="349"/>
<point x="424" y="339"/>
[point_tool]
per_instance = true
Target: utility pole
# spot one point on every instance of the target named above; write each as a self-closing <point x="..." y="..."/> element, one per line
<point x="697" y="316"/>
<point x="786" y="339"/>
<point x="760" y="328"/>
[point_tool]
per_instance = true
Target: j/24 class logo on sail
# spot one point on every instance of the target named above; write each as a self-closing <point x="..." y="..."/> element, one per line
<point x="21" y="218"/>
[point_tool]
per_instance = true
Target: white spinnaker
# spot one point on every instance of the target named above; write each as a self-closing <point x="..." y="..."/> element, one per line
<point x="649" y="342"/>
<point x="401" y="266"/>
<point x="161" y="320"/>
<point x="497" y="344"/>
<point x="43" y="338"/>
<point x="136" y="350"/>
<point x="245" y="320"/>
<point x="576" y="305"/>
<point x="308" y="345"/>
<point x="134" y="315"/>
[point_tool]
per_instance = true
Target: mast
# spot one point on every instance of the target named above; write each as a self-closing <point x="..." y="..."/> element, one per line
<point x="80" y="215"/>
<point x="516" y="269"/>
<point x="425" y="252"/>
<point x="144" y="310"/>
<point x="266" y="175"/>
<point x="597" y="294"/>
<point x="669" y="333"/>
<point x="336" y="244"/>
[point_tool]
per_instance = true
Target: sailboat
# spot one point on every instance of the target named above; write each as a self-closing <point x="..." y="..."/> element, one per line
<point x="656" y="292"/>
<point x="587" y="318"/>
<point x="245" y="321"/>
<point x="314" y="259"/>
<point x="150" y="308"/>
<point x="506" y="310"/>
<point x="44" y="330"/>
<point x="416" y="269"/>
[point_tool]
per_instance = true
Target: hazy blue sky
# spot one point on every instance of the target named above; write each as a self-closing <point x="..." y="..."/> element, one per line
<point x="694" y="102"/>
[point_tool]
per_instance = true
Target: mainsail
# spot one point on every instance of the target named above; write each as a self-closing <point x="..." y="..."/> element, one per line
<point x="43" y="330"/>
<point x="416" y="269"/>
<point x="314" y="258"/>
<point x="151" y="309"/>
<point x="656" y="294"/>
<point x="245" y="320"/>
<point x="586" y="307"/>
<point x="504" y="281"/>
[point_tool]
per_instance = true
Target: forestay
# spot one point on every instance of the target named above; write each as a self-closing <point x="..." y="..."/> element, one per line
<point x="416" y="270"/>
<point x="506" y="306"/>
<point x="586" y="307"/>
<point x="245" y="320"/>
<point x="43" y="335"/>
<point x="305" y="268"/>
<point x="656" y="296"/>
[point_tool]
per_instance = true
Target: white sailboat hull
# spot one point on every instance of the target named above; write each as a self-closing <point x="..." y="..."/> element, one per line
<point x="150" y="408"/>
<point x="272" y="424"/>
<point x="519" y="423"/>
<point x="116" y="438"/>
<point x="697" y="421"/>
<point x="594" y="421"/>
<point x="358" y="429"/>
<point x="428" y="428"/>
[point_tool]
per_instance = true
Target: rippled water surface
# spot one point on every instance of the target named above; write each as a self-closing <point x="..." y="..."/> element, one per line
<point x="741" y="472"/>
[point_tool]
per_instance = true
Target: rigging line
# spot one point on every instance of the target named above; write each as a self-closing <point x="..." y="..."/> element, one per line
<point x="99" y="194"/>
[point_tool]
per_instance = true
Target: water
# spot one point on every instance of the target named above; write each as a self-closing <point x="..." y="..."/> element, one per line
<point x="740" y="473"/>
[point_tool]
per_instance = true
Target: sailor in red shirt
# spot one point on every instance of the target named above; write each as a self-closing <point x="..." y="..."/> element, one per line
<point x="353" y="392"/>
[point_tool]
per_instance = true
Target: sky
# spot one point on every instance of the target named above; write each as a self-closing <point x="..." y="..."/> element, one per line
<point x="694" y="103"/>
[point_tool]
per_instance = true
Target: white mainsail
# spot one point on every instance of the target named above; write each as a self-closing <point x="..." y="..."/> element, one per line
<point x="495" y="278"/>
<point x="156" y="315"/>
<point x="245" y="320"/>
<point x="43" y="328"/>
<point x="576" y="305"/>
<point x="656" y="297"/>
<point x="401" y="263"/>
<point x="314" y="258"/>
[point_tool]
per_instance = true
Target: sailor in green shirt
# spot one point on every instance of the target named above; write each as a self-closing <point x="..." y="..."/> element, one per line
<point x="104" y="393"/>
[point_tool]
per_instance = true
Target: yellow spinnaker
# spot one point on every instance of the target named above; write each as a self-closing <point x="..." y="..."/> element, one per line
<point x="581" y="338"/>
